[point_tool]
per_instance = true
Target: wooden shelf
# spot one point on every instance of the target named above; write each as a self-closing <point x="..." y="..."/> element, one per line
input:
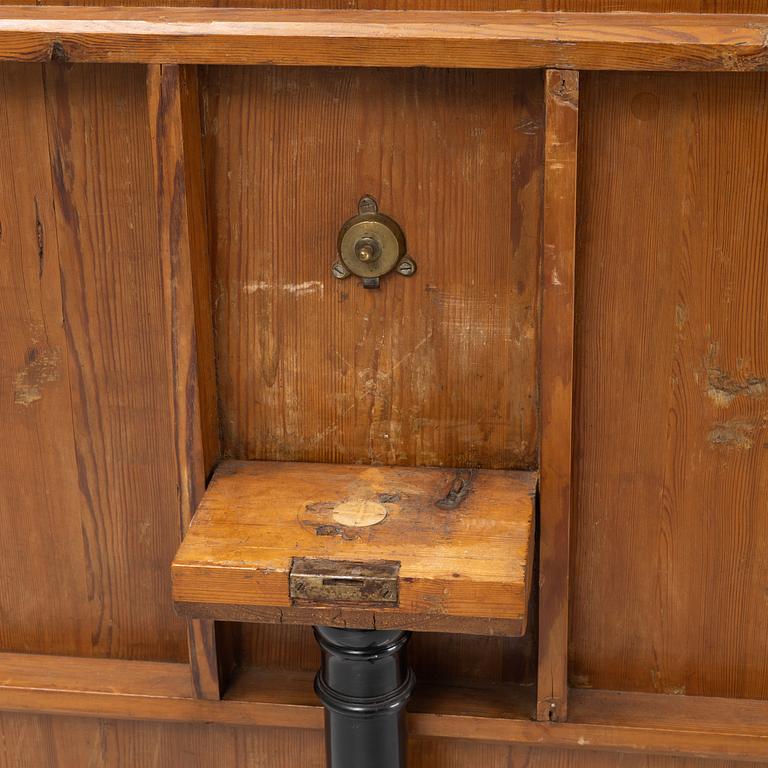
<point x="429" y="549"/>
<point x="494" y="40"/>
<point x="659" y="724"/>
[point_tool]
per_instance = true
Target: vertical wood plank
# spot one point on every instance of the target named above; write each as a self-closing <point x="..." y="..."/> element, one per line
<point x="556" y="377"/>
<point x="40" y="501"/>
<point x="182" y="241"/>
<point x="112" y="318"/>
<point x="670" y="518"/>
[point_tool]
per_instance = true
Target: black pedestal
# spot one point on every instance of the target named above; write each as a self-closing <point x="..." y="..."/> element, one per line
<point x="364" y="683"/>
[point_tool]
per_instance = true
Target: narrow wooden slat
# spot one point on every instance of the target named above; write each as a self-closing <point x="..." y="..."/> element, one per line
<point x="634" y="41"/>
<point x="556" y="387"/>
<point x="599" y="720"/>
<point x="175" y="138"/>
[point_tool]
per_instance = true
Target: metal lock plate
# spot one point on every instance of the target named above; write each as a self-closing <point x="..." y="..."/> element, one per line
<point x="370" y="245"/>
<point x="332" y="582"/>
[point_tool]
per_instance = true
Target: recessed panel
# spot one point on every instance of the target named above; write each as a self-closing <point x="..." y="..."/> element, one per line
<point x="438" y="368"/>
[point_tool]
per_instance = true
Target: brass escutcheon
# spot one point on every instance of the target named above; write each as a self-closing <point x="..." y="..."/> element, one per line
<point x="370" y="245"/>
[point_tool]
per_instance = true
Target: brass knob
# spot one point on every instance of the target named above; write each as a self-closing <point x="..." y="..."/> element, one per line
<point x="367" y="250"/>
<point x="370" y="245"/>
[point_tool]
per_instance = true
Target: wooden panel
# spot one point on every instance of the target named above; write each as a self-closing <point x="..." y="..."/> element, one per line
<point x="43" y="588"/>
<point x="556" y="387"/>
<point x="375" y="38"/>
<point x="174" y="127"/>
<point x="50" y="742"/>
<point x="117" y="366"/>
<point x="600" y="720"/>
<point x="590" y="6"/>
<point x="458" y="555"/>
<point x="311" y="368"/>
<point x="671" y="537"/>
<point x="84" y="548"/>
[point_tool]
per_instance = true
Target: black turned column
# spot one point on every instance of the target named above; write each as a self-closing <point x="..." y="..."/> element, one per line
<point x="364" y="683"/>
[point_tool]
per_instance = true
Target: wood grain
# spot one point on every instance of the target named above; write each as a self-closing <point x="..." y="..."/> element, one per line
<point x="40" y="501"/>
<point x="670" y="559"/>
<point x="599" y="720"/>
<point x="315" y="369"/>
<point x="470" y="561"/>
<point x="561" y="94"/>
<point x="573" y="6"/>
<point x="48" y="742"/>
<point x="174" y="128"/>
<point x="116" y="364"/>
<point x="83" y="375"/>
<point x="384" y="38"/>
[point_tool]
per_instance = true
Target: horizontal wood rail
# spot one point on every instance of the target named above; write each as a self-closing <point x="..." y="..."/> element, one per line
<point x="498" y="40"/>
<point x="599" y="720"/>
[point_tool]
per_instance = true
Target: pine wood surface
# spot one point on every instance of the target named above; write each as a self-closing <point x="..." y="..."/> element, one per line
<point x="45" y="742"/>
<point x="660" y="725"/>
<point x="316" y="369"/>
<point x="88" y="478"/>
<point x="469" y="561"/>
<point x="574" y="6"/>
<point x="561" y="98"/>
<point x="668" y="568"/>
<point x="671" y="423"/>
<point x="174" y="129"/>
<point x="367" y="38"/>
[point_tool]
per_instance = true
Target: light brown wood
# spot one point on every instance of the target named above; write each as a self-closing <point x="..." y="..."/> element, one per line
<point x="316" y="369"/>
<point x="471" y="560"/>
<point x="671" y="531"/>
<point x="174" y="123"/>
<point x="561" y="94"/>
<point x="599" y="720"/>
<point x="381" y="38"/>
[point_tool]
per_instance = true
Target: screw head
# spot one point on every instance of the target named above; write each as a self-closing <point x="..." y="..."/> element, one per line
<point x="406" y="267"/>
<point x="339" y="271"/>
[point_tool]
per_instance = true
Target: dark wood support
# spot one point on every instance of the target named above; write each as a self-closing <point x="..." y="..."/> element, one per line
<point x="561" y="95"/>
<point x="364" y="683"/>
<point x="182" y="243"/>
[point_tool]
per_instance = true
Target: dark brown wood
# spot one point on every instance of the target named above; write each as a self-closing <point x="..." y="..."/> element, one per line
<point x="561" y="93"/>
<point x="182" y="246"/>
<point x="258" y="519"/>
<point x="343" y="616"/>
<point x="598" y="720"/>
<point x="376" y="38"/>
<point x="670" y="525"/>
